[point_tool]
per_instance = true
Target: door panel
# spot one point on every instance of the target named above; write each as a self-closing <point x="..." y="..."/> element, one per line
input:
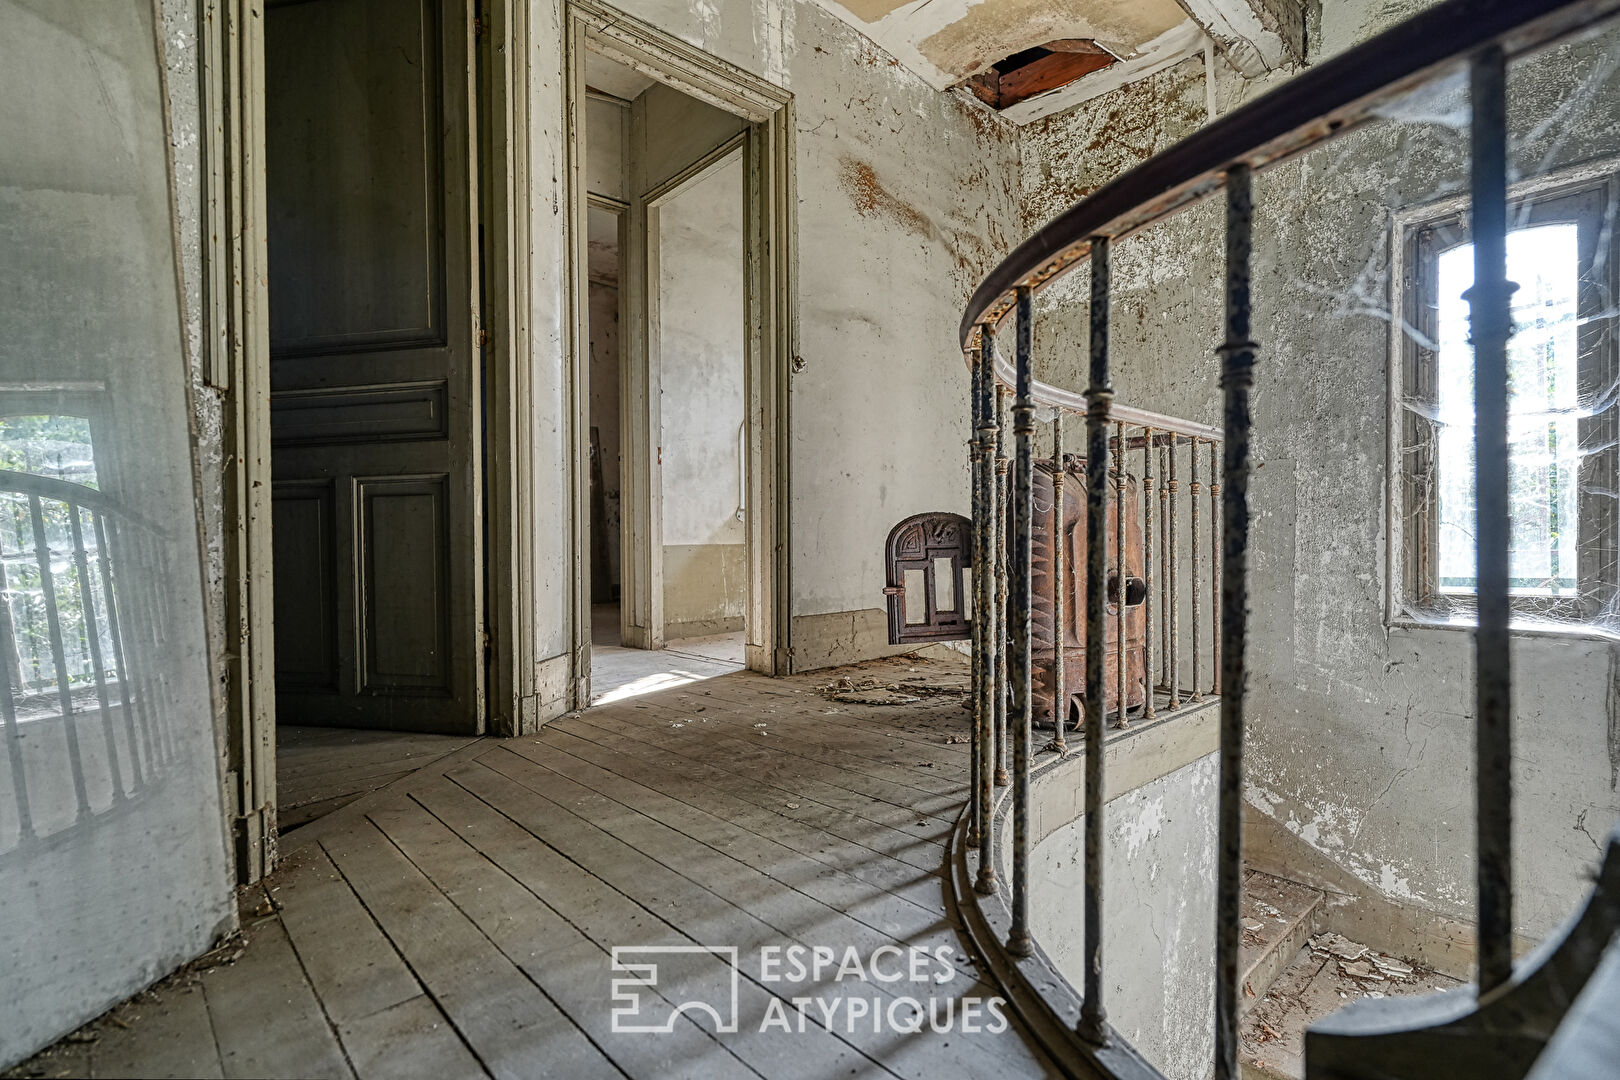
<point x="373" y="367"/>
<point x="305" y="552"/>
<point x="406" y="631"/>
<point x="356" y="174"/>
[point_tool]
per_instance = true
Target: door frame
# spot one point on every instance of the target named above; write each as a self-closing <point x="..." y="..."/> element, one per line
<point x="236" y="369"/>
<point x="770" y="337"/>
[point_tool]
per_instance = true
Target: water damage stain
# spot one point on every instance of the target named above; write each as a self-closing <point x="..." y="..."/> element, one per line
<point x="860" y="182"/>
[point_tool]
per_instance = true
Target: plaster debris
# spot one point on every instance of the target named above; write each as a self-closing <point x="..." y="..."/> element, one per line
<point x="871" y="691"/>
<point x="1358" y="961"/>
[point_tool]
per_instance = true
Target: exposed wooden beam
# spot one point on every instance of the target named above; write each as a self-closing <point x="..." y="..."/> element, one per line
<point x="1059" y="68"/>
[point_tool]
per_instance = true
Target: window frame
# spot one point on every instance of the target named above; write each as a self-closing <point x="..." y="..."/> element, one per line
<point x="1589" y="198"/>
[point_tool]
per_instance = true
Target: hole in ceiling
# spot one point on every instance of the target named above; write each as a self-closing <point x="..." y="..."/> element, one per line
<point x="1022" y="75"/>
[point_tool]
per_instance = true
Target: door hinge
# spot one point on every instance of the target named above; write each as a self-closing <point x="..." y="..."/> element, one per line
<point x="480" y="26"/>
<point x="484" y="339"/>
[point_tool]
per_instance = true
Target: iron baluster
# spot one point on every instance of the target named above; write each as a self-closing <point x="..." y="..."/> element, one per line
<point x="1194" y="490"/>
<point x="1022" y="597"/>
<point x="1119" y="573"/>
<point x="1214" y="573"/>
<point x="1173" y="619"/>
<point x="1164" y="563"/>
<point x="976" y="627"/>
<point x="1237" y="378"/>
<point x="1060" y="701"/>
<point x="984" y="578"/>
<point x="1490" y="323"/>
<point x="1099" y="403"/>
<point x="1000" y="517"/>
<point x="1147" y="574"/>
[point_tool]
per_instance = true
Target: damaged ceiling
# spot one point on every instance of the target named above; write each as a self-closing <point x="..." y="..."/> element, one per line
<point x="949" y="42"/>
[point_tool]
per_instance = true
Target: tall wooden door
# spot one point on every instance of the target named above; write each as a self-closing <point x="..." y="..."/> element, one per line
<point x="374" y="375"/>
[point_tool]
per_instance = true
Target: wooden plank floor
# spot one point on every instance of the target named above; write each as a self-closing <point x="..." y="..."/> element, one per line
<point x="319" y="770"/>
<point x="461" y="921"/>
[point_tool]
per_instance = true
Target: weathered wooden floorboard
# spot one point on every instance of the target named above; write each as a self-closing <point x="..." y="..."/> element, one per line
<point x="910" y="847"/>
<point x="513" y="1028"/>
<point x="162" y="1035"/>
<point x="269" y="981"/>
<point x="349" y="961"/>
<point x="758" y="911"/>
<point x="922" y="724"/>
<point x="408" y="1041"/>
<point x="930" y="770"/>
<point x="923" y="887"/>
<point x="887" y="804"/>
<point x="611" y="918"/>
<point x="811" y="726"/>
<point x="817" y="877"/>
<point x="462" y="920"/>
<point x="813" y="908"/>
<point x="572" y="970"/>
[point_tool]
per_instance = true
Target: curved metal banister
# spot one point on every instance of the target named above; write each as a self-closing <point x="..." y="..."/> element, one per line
<point x="1318" y="104"/>
<point x="1476" y="38"/>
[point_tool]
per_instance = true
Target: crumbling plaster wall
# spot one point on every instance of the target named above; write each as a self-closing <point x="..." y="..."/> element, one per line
<point x="1159" y="890"/>
<point x="1360" y="731"/>
<point x="182" y="62"/>
<point x="906" y="197"/>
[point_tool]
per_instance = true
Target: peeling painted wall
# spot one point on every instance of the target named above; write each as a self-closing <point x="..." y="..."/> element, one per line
<point x="1361" y="732"/>
<point x="1159" y="899"/>
<point x="879" y="404"/>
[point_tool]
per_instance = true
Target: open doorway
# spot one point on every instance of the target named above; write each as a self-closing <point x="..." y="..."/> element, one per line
<point x="375" y="398"/>
<point x="666" y="326"/>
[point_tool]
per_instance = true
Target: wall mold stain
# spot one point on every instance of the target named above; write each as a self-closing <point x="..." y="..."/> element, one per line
<point x="860" y="182"/>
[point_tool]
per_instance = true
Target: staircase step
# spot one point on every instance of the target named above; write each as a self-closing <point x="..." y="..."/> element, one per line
<point x="1327" y="974"/>
<point x="1278" y="917"/>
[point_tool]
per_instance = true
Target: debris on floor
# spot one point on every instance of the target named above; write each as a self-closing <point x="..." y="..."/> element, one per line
<point x="1329" y="973"/>
<point x="1360" y="962"/>
<point x="867" y="691"/>
<point x="870" y="690"/>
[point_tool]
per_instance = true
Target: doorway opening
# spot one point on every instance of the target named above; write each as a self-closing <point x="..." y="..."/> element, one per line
<point x="370" y="142"/>
<point x="666" y="328"/>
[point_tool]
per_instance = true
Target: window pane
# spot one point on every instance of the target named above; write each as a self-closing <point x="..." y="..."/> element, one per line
<point x="916" y="598"/>
<point x="1543" y="413"/>
<point x="944" y="585"/>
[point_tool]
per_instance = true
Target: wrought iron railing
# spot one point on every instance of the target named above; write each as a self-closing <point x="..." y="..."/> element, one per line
<point x="76" y="635"/>
<point x="1319" y="105"/>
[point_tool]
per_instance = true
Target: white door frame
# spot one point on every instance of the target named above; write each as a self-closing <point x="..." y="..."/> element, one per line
<point x="770" y="336"/>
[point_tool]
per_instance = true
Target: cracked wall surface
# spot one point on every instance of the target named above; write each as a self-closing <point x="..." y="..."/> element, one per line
<point x="1158" y="899"/>
<point x="1360" y="727"/>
